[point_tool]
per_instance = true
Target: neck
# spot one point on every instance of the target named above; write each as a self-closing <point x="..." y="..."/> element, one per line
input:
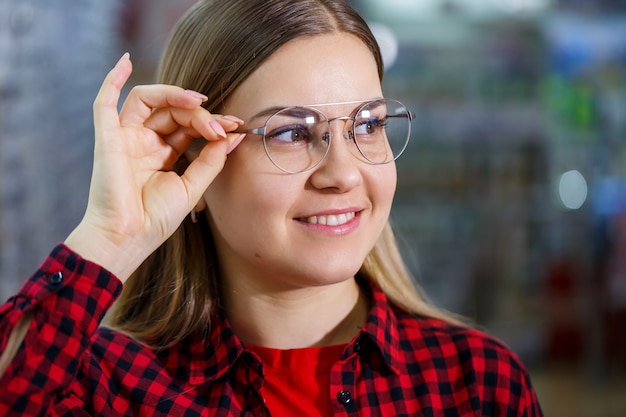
<point x="296" y="318"/>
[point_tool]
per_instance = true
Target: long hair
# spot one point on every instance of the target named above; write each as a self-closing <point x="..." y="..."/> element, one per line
<point x="214" y="47"/>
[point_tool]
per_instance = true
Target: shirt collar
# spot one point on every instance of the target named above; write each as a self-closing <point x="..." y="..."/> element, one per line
<point x="382" y="328"/>
<point x="205" y="357"/>
<point x="216" y="353"/>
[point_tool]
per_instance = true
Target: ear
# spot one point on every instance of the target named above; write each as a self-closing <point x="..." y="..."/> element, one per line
<point x="200" y="206"/>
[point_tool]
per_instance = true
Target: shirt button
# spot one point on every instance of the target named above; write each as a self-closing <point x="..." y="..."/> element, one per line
<point x="344" y="397"/>
<point x="357" y="344"/>
<point x="56" y="278"/>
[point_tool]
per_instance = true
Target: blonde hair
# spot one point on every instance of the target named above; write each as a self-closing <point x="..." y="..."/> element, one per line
<point x="213" y="49"/>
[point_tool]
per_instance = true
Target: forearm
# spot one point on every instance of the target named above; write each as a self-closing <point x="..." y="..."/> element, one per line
<point x="15" y="340"/>
<point x="46" y="328"/>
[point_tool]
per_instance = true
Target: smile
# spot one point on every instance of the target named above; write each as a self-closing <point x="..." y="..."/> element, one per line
<point x="331" y="219"/>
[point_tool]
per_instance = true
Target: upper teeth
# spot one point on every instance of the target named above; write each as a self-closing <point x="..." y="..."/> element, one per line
<point x="331" y="220"/>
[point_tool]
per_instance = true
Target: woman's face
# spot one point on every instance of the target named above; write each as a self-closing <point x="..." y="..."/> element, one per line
<point x="261" y="217"/>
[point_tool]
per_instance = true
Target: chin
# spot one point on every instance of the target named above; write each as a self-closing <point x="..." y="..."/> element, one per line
<point x="329" y="275"/>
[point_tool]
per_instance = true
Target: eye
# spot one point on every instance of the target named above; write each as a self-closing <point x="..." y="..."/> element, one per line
<point x="370" y="126"/>
<point x="289" y="134"/>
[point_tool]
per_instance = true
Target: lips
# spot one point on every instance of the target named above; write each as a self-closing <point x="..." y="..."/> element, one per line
<point x="330" y="219"/>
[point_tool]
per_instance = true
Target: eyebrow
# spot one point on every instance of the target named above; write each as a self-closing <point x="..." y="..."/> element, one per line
<point x="271" y="110"/>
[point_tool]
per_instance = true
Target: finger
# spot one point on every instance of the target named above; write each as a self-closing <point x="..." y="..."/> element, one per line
<point x="165" y="121"/>
<point x="202" y="171"/>
<point x="207" y="165"/>
<point x="180" y="139"/>
<point x="186" y="139"/>
<point x="105" y="104"/>
<point x="235" y="143"/>
<point x="142" y="100"/>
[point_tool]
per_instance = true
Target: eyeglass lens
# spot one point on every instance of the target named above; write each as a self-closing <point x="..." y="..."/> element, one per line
<point x="297" y="138"/>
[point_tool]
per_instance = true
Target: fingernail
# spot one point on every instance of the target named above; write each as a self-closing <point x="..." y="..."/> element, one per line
<point x="218" y="128"/>
<point x="233" y="119"/>
<point x="235" y="143"/>
<point x="195" y="94"/>
<point x="123" y="58"/>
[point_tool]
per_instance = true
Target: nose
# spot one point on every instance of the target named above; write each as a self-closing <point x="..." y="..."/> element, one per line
<point x="340" y="170"/>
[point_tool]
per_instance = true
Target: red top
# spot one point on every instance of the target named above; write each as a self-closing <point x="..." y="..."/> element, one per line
<point x="297" y="380"/>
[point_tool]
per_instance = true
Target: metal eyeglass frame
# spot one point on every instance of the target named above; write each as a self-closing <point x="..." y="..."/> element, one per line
<point x="262" y="130"/>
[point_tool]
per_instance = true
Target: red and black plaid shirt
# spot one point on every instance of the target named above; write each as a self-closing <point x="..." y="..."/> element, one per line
<point x="398" y="365"/>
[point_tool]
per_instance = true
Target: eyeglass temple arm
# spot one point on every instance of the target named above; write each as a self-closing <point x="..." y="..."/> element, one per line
<point x="255" y="131"/>
<point x="411" y="115"/>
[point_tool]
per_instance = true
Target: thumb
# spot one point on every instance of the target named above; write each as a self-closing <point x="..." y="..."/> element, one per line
<point x="203" y="169"/>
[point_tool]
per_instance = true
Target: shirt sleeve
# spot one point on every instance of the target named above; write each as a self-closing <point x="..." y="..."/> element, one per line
<point x="531" y="402"/>
<point x="504" y="382"/>
<point x="68" y="297"/>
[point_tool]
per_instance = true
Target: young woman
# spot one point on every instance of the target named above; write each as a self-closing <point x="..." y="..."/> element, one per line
<point x="244" y="203"/>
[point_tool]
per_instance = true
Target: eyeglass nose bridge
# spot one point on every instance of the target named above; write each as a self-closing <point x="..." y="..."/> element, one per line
<point x="350" y="131"/>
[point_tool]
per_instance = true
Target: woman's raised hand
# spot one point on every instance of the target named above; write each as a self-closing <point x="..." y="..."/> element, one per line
<point x="136" y="201"/>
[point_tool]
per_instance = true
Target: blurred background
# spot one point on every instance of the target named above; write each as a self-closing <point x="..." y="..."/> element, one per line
<point x="511" y="202"/>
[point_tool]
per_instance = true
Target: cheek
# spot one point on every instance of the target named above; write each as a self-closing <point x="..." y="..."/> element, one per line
<point x="246" y="199"/>
<point x="237" y="213"/>
<point x="383" y="185"/>
<point x="239" y="186"/>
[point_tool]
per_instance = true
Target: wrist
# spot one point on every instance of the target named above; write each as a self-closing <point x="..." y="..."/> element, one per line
<point x="119" y="256"/>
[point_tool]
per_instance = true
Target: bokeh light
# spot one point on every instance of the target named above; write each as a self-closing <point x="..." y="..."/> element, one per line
<point x="572" y="190"/>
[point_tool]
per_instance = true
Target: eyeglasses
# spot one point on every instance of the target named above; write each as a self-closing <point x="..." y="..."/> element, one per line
<point x="297" y="139"/>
